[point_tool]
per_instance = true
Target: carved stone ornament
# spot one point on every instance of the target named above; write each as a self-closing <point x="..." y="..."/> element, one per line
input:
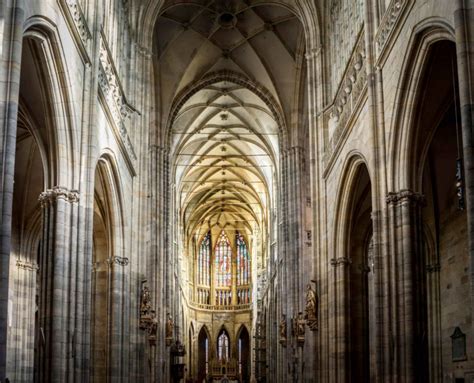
<point x="79" y="20"/>
<point x="113" y="94"/>
<point x="405" y="196"/>
<point x="169" y="330"/>
<point x="50" y="196"/>
<point x="121" y="261"/>
<point x="283" y="330"/>
<point x="311" y="308"/>
<point x="24" y="265"/>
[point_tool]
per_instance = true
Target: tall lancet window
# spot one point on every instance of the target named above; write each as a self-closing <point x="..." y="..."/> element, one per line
<point x="243" y="261"/>
<point x="204" y="258"/>
<point x="223" y="346"/>
<point x="223" y="256"/>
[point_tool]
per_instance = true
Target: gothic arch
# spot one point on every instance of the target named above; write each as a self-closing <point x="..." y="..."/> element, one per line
<point x="402" y="141"/>
<point x="353" y="281"/>
<point x="352" y="166"/>
<point x="42" y="37"/>
<point x="107" y="260"/>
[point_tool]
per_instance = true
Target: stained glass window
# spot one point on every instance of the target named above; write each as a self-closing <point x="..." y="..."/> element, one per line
<point x="204" y="258"/>
<point x="223" y="346"/>
<point x="223" y="258"/>
<point x="243" y="261"/>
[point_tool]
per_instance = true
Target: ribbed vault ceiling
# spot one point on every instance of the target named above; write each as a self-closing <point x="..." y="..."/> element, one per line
<point x="225" y="137"/>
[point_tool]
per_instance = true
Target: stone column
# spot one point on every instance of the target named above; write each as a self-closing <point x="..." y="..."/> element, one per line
<point x="117" y="319"/>
<point x="405" y="212"/>
<point x="341" y="352"/>
<point x="464" y="25"/>
<point x="10" y="64"/>
<point x="55" y="271"/>
<point x="158" y="264"/>
<point x="293" y="291"/>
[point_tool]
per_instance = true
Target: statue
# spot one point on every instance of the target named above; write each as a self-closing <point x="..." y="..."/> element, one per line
<point x="145" y="304"/>
<point x="145" y="308"/>
<point x="311" y="309"/>
<point x="283" y="330"/>
<point x="298" y="325"/>
<point x="152" y="329"/>
<point x="169" y="330"/>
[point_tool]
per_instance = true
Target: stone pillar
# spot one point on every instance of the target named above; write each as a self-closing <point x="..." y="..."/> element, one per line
<point x="292" y="293"/>
<point x="58" y="206"/>
<point x="21" y="336"/>
<point x="158" y="264"/>
<point x="405" y="213"/>
<point x="341" y="351"/>
<point x="10" y="64"/>
<point x="464" y="25"/>
<point x="434" y="330"/>
<point x="117" y="319"/>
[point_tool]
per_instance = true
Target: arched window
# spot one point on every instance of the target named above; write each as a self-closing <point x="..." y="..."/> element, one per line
<point x="243" y="261"/>
<point x="204" y="258"/>
<point x="223" y="261"/>
<point x="223" y="346"/>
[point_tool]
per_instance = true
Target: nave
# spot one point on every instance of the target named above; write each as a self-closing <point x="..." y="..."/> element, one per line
<point x="236" y="191"/>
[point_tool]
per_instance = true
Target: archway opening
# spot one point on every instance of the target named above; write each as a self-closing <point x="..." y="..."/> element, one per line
<point x="361" y="279"/>
<point x="34" y="149"/>
<point x="243" y="355"/>
<point x="441" y="272"/>
<point x="102" y="250"/>
<point x="203" y="355"/>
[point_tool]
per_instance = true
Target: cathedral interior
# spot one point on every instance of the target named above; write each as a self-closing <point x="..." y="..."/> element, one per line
<point x="240" y="191"/>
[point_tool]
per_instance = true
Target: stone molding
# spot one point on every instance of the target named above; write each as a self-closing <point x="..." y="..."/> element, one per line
<point x="404" y="196"/>
<point x="24" y="265"/>
<point x="58" y="192"/>
<point x="114" y="98"/>
<point x="78" y="25"/>
<point x="389" y="23"/>
<point x="344" y="261"/>
<point x="347" y="99"/>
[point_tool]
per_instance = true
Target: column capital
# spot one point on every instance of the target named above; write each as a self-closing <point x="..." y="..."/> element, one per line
<point x="121" y="261"/>
<point x="344" y="261"/>
<point x="58" y="192"/>
<point x="403" y="196"/>
<point x="26" y="265"/>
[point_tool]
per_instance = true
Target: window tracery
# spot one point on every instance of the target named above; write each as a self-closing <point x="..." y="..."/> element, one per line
<point x="204" y="259"/>
<point x="223" y="346"/>
<point x="243" y="261"/>
<point x="223" y="259"/>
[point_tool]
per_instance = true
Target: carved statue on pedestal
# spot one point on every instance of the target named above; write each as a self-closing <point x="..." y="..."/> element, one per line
<point x="145" y="308"/>
<point x="152" y="329"/>
<point x="169" y="330"/>
<point x="311" y="309"/>
<point x="299" y="328"/>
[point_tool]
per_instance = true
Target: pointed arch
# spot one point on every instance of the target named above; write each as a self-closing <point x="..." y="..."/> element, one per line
<point x="402" y="140"/>
<point x="42" y="37"/>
